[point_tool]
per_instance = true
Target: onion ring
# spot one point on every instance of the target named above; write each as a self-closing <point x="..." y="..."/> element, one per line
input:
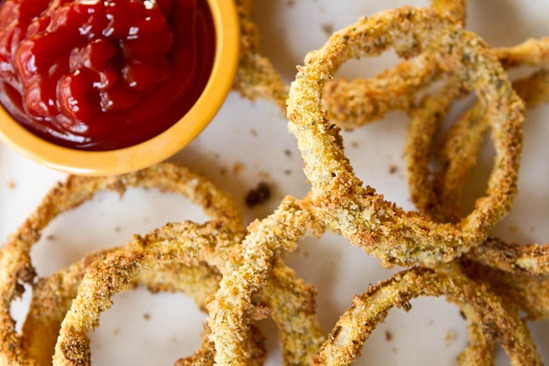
<point x="15" y="264"/>
<point x="361" y="215"/>
<point x="230" y="310"/>
<point x="463" y="143"/>
<point x="166" y="246"/>
<point x="256" y="77"/>
<point x="116" y="272"/>
<point x="356" y="324"/>
<point x="520" y="259"/>
<point x="521" y="292"/>
<point x="353" y="103"/>
<point x="439" y="197"/>
<point x="527" y="287"/>
<point x="52" y="297"/>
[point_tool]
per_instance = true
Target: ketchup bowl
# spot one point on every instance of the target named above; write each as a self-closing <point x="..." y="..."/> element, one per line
<point x="25" y="103"/>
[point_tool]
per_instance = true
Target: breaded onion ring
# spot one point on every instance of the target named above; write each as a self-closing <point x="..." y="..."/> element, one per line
<point x="353" y="103"/>
<point x="15" y="264"/>
<point x="356" y="102"/>
<point x="52" y="298"/>
<point x="521" y="292"/>
<point x="356" y="324"/>
<point x="530" y="259"/>
<point x="118" y="271"/>
<point x="438" y="193"/>
<point x="252" y="266"/>
<point x="256" y="77"/>
<point x="363" y="216"/>
<point x="180" y="244"/>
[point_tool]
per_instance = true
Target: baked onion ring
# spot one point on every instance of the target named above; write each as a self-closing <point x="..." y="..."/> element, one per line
<point x="524" y="293"/>
<point x="520" y="259"/>
<point x="363" y="216"/>
<point x="252" y="266"/>
<point x="461" y="146"/>
<point x="438" y="193"/>
<point x="116" y="272"/>
<point x="183" y="244"/>
<point x="353" y="103"/>
<point x="15" y="265"/>
<point x="356" y="102"/>
<point x="356" y="324"/>
<point x="256" y="77"/>
<point x="53" y="295"/>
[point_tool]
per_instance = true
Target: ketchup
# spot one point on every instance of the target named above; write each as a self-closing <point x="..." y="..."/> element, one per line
<point x="103" y="74"/>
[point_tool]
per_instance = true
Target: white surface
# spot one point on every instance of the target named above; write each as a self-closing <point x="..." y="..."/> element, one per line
<point x="142" y="329"/>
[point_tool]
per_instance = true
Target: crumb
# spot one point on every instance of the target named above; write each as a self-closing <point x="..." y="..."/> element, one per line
<point x="388" y="336"/>
<point x="264" y="175"/>
<point x="223" y="171"/>
<point x="513" y="228"/>
<point x="394" y="350"/>
<point x="258" y="195"/>
<point x="261" y="311"/>
<point x="450" y="337"/>
<point x="147" y="316"/>
<point x="11" y="184"/>
<point x="116" y="331"/>
<point x="532" y="229"/>
<point x="217" y="156"/>
<point x="354" y="144"/>
<point x="238" y="167"/>
<point x="253" y="132"/>
<point x="50" y="237"/>
<point x="288" y="152"/>
<point x="117" y="229"/>
<point x="306" y="254"/>
<point x="287" y="171"/>
<point x="328" y="29"/>
<point x="290" y="2"/>
<point x="393" y="169"/>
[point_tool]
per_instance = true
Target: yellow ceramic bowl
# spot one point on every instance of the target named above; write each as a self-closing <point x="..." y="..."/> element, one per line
<point x="159" y="147"/>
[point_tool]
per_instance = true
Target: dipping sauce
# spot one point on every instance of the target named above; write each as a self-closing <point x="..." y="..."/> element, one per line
<point x="103" y="75"/>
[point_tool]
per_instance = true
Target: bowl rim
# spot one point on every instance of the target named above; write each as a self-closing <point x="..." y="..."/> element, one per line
<point x="163" y="145"/>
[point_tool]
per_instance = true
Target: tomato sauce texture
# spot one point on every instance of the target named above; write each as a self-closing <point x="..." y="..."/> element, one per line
<point x="103" y="74"/>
